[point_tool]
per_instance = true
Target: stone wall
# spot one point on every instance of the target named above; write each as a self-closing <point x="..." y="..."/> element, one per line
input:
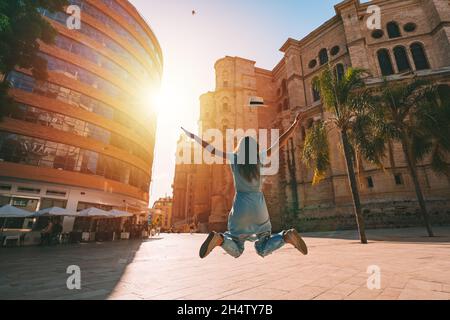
<point x="399" y="214"/>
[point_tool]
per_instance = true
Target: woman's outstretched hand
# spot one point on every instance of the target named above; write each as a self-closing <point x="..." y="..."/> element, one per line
<point x="298" y="118"/>
<point x="189" y="134"/>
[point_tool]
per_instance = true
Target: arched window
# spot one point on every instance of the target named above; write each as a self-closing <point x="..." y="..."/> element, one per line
<point x="377" y="34"/>
<point x="385" y="62"/>
<point x="315" y="91"/>
<point x="335" y="50"/>
<point x="419" y="56"/>
<point x="340" y="71"/>
<point x="401" y="58"/>
<point x="312" y="64"/>
<point x="410" y="27"/>
<point x="393" y="30"/>
<point x="323" y="56"/>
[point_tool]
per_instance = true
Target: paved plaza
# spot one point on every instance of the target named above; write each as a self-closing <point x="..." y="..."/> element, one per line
<point x="412" y="267"/>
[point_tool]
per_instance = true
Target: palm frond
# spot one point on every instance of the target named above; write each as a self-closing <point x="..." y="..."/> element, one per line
<point x="438" y="161"/>
<point x="337" y="93"/>
<point x="316" y="151"/>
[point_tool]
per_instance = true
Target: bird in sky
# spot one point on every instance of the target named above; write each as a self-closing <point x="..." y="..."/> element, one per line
<point x="194" y="12"/>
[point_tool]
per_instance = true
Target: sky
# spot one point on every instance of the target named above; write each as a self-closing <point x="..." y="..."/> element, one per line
<point x="191" y="44"/>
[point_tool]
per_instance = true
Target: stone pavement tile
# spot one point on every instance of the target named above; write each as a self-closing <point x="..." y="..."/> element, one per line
<point x="240" y="286"/>
<point x="390" y="294"/>
<point x="232" y="285"/>
<point x="266" y="277"/>
<point x="209" y="294"/>
<point x="415" y="284"/>
<point x="89" y="295"/>
<point x="433" y="273"/>
<point x="343" y="289"/>
<point x="304" y="293"/>
<point x="122" y="288"/>
<point x="129" y="296"/>
<point x="287" y="283"/>
<point x="47" y="293"/>
<point x="152" y="293"/>
<point x="329" y="296"/>
<point x="230" y="292"/>
<point x="174" y="294"/>
<point x="335" y="268"/>
<point x="257" y="294"/>
<point x="328" y="281"/>
<point x="357" y="280"/>
<point x="363" y="293"/>
<point x="110" y="283"/>
<point x="418" y="294"/>
<point x="398" y="281"/>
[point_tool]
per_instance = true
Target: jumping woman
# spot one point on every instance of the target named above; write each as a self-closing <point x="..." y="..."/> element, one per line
<point x="249" y="218"/>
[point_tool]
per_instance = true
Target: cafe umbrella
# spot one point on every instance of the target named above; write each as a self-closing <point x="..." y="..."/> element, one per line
<point x="120" y="214"/>
<point x="94" y="213"/>
<point x="11" y="212"/>
<point x="55" y="212"/>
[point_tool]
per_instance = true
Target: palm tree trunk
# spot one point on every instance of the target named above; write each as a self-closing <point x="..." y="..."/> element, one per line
<point x="293" y="175"/>
<point x="413" y="172"/>
<point x="354" y="187"/>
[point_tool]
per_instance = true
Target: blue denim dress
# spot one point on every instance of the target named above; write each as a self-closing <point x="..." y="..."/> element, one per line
<point x="249" y="218"/>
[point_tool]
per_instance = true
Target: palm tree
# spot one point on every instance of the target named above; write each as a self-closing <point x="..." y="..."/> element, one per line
<point x="417" y="115"/>
<point x="343" y="96"/>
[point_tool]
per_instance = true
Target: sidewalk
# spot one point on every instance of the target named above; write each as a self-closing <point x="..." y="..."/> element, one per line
<point x="412" y="267"/>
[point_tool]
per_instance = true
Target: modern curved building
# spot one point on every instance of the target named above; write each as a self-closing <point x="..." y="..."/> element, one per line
<point x="84" y="137"/>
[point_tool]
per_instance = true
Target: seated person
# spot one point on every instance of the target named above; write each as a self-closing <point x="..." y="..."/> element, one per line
<point x="47" y="233"/>
<point x="57" y="230"/>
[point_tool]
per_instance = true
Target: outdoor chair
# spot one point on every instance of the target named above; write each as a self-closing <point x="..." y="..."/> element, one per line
<point x="16" y="238"/>
<point x="55" y="239"/>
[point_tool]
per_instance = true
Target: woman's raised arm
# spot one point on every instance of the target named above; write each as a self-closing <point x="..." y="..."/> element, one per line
<point x="285" y="136"/>
<point x="205" y="145"/>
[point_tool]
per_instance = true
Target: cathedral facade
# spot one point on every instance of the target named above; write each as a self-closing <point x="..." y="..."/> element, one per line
<point x="413" y="41"/>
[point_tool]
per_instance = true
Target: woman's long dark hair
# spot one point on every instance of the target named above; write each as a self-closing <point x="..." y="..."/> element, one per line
<point x="248" y="169"/>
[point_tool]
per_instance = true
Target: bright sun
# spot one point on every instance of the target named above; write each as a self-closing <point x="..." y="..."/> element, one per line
<point x="163" y="101"/>
<point x="174" y="103"/>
